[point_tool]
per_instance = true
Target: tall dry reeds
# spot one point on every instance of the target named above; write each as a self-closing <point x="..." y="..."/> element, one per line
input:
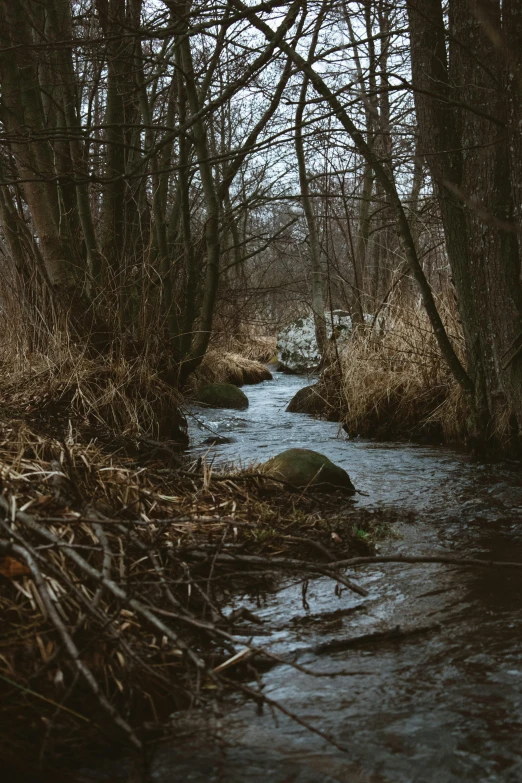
<point x="62" y="388"/>
<point x="391" y="381"/>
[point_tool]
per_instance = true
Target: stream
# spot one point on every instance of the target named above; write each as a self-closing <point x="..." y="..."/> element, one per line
<point x="444" y="706"/>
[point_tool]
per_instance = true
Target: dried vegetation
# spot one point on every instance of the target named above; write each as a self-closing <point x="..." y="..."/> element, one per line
<point x="392" y="382"/>
<point x="115" y="573"/>
<point x="104" y="399"/>
<point x="238" y="359"/>
<point x="224" y="367"/>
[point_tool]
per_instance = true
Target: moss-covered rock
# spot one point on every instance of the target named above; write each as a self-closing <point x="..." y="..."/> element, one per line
<point x="307" y="400"/>
<point x="222" y="395"/>
<point x="303" y="468"/>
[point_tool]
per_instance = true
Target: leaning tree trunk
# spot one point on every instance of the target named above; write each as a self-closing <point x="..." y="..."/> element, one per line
<point x="313" y="236"/>
<point x="385" y="178"/>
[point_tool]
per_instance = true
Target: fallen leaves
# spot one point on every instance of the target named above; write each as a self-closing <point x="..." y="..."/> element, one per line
<point x="11" y="568"/>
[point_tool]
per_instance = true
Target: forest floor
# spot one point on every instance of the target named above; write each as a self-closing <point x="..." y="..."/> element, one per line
<point x="118" y="567"/>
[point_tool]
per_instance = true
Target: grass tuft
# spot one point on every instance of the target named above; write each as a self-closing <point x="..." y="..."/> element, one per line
<point x="104" y="398"/>
<point x="226" y="367"/>
<point x="396" y="384"/>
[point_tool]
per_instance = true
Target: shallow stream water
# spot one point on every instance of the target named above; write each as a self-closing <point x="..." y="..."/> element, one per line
<point x="445" y="706"/>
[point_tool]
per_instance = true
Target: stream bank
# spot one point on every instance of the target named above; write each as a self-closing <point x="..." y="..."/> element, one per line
<point x="443" y="707"/>
<point x="354" y="694"/>
<point x="116" y="562"/>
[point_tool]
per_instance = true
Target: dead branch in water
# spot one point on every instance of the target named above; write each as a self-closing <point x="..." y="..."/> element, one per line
<point x="470" y="562"/>
<point x="114" y="577"/>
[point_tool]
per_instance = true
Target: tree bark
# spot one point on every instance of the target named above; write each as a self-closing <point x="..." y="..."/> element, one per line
<point x="318" y="306"/>
<point x="467" y="155"/>
<point x="200" y="339"/>
<point x="23" y="118"/>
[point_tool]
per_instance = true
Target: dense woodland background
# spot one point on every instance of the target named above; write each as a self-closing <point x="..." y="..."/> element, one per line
<point x="178" y="181"/>
<point x="177" y="174"/>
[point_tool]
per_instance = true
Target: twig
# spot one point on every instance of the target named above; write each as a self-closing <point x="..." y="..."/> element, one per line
<point x="469" y="562"/>
<point x="69" y="645"/>
<point x="263" y="698"/>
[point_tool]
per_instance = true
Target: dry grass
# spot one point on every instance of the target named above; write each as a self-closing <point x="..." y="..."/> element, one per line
<point x="260" y="348"/>
<point x="247" y="343"/>
<point x="220" y="366"/>
<point x="396" y="384"/>
<point x="117" y="395"/>
<point x="113" y="579"/>
<point x="108" y="399"/>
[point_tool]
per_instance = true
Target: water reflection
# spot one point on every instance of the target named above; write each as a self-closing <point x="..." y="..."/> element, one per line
<point x="444" y="707"/>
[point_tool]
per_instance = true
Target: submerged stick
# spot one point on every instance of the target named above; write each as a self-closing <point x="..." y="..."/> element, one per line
<point x="325" y="569"/>
<point x="470" y="562"/>
<point x="392" y="635"/>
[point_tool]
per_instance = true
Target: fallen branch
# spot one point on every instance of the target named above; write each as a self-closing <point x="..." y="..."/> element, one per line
<point x="282" y="563"/>
<point x="468" y="562"/>
<point x="392" y="635"/>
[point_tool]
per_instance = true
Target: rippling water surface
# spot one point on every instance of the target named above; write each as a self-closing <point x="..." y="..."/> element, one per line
<point x="442" y="707"/>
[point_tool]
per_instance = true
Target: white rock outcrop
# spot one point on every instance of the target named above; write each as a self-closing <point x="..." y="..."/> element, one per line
<point x="297" y="349"/>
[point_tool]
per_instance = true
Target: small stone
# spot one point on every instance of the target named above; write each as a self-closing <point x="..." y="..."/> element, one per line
<point x="307" y="400"/>
<point x="222" y="395"/>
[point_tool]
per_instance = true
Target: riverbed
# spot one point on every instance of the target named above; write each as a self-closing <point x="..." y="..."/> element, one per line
<point x="444" y="706"/>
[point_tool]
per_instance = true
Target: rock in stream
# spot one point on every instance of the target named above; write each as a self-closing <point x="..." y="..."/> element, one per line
<point x="304" y="467"/>
<point x="222" y="395"/>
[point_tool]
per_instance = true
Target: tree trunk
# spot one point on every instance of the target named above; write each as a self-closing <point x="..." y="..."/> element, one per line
<point x="466" y="150"/>
<point x="200" y="339"/>
<point x="318" y="307"/>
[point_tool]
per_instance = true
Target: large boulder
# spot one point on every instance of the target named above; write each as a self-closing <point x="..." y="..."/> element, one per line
<point x="222" y="395"/>
<point x="306" y="468"/>
<point x="308" y="400"/>
<point x="297" y="349"/>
